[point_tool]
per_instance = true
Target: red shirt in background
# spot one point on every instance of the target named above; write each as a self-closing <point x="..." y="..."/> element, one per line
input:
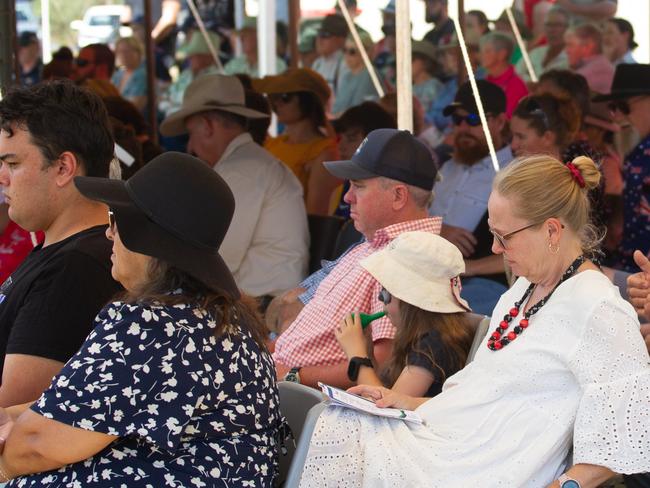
<point x="513" y="86"/>
<point x="15" y="245"/>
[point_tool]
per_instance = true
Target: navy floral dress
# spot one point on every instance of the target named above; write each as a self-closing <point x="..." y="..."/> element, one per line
<point x="190" y="409"/>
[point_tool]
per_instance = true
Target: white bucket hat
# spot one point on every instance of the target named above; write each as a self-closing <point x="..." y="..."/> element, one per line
<point x="421" y="269"/>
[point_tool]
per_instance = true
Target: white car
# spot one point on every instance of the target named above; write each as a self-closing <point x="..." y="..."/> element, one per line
<point x="101" y="24"/>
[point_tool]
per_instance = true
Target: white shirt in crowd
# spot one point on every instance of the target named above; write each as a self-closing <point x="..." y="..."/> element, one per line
<point x="578" y="377"/>
<point x="267" y="245"/>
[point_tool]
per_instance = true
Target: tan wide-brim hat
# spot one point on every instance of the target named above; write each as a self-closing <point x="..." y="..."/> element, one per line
<point x="295" y="80"/>
<point x="421" y="269"/>
<point x="209" y="92"/>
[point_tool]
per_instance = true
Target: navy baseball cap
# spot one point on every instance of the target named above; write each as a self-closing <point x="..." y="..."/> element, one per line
<point x="392" y="153"/>
<point x="492" y="96"/>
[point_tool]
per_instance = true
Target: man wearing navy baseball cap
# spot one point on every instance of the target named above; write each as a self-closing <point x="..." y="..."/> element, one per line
<point x="391" y="177"/>
<point x="462" y="195"/>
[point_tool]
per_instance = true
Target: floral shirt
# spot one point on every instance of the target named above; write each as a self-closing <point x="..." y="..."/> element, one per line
<point x="190" y="409"/>
<point x="636" y="205"/>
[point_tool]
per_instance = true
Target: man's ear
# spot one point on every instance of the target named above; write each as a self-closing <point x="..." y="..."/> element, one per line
<point x="400" y="196"/>
<point x="67" y="166"/>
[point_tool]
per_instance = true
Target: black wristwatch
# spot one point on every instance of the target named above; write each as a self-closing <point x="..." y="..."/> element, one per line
<point x="356" y="363"/>
<point x="293" y="375"/>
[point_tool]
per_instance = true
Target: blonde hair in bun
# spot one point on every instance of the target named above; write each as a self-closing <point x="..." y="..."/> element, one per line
<point x="542" y="187"/>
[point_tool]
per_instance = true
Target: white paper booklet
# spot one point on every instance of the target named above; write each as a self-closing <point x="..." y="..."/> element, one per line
<point x="355" y="402"/>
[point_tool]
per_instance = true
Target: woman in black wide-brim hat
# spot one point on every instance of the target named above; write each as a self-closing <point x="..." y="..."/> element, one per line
<point x="174" y="387"/>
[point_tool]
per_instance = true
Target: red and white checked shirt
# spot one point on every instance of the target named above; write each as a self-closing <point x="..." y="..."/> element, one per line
<point x="310" y="340"/>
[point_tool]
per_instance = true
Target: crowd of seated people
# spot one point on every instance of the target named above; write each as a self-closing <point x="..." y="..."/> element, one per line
<point x="156" y="288"/>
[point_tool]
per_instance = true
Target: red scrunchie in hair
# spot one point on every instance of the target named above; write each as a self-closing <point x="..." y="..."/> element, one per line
<point x="575" y="173"/>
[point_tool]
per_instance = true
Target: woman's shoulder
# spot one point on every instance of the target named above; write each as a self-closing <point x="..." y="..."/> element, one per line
<point x="152" y="312"/>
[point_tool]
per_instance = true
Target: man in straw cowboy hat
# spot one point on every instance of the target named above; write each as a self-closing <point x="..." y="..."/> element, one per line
<point x="391" y="176"/>
<point x="266" y="247"/>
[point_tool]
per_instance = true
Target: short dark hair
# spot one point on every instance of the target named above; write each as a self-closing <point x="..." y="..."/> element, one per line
<point x="61" y="116"/>
<point x="624" y="27"/>
<point x="481" y="18"/>
<point x="367" y="116"/>
<point x="103" y="55"/>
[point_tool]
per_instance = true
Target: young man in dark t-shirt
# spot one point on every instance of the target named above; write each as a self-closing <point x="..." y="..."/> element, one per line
<point x="50" y="133"/>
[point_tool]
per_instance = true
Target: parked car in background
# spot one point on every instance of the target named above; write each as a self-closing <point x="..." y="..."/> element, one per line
<point x="26" y="21"/>
<point x="101" y="24"/>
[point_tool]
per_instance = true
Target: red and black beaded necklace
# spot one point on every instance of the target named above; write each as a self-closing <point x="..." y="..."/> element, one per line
<point x="496" y="340"/>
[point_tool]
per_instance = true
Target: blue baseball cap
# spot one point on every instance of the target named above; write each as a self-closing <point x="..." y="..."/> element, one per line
<point x="392" y="153"/>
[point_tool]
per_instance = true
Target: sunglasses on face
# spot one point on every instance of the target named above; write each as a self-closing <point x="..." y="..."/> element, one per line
<point x="82" y="62"/>
<point x="384" y="296"/>
<point x="388" y="30"/>
<point x="621" y="106"/>
<point x="111" y="220"/>
<point x="473" y="120"/>
<point x="282" y="97"/>
<point x="350" y="51"/>
<point x="325" y="35"/>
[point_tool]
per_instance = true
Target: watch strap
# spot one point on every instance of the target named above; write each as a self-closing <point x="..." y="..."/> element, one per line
<point x="293" y="375"/>
<point x="354" y="366"/>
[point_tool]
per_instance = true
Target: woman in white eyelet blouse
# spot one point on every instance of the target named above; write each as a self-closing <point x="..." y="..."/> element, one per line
<point x="577" y="377"/>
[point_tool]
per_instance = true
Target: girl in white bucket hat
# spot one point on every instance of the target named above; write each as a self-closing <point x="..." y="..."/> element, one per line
<point x="419" y="273"/>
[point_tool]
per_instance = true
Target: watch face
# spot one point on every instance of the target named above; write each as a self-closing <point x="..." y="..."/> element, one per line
<point x="570" y="484"/>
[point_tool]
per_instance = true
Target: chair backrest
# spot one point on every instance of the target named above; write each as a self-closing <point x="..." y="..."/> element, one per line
<point x="479" y="335"/>
<point x="348" y="235"/>
<point x="323" y="232"/>
<point x="295" y="402"/>
<point x="302" y="446"/>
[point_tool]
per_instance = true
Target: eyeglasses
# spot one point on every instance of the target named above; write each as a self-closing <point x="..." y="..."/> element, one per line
<point x="350" y="51"/>
<point x="282" y="97"/>
<point x="384" y="296"/>
<point x="501" y="239"/>
<point x="621" y="106"/>
<point x="111" y="221"/>
<point x="83" y="62"/>
<point x="473" y="120"/>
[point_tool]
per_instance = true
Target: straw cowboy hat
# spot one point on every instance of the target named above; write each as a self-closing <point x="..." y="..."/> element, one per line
<point x="209" y="92"/>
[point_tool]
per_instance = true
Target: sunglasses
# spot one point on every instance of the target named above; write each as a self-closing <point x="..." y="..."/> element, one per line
<point x="473" y="120"/>
<point x="325" y="35"/>
<point x="111" y="221"/>
<point x="282" y="97"/>
<point x="621" y="106"/>
<point x="82" y="62"/>
<point x="388" y="30"/>
<point x="351" y="51"/>
<point x="384" y="296"/>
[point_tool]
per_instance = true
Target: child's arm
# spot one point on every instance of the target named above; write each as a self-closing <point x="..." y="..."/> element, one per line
<point x="414" y="381"/>
<point x="349" y="335"/>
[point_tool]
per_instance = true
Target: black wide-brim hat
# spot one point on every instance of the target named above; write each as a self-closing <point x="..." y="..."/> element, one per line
<point x="630" y="80"/>
<point x="176" y="209"/>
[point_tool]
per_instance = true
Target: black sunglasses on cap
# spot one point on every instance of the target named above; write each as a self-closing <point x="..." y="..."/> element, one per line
<point x="384" y="296"/>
